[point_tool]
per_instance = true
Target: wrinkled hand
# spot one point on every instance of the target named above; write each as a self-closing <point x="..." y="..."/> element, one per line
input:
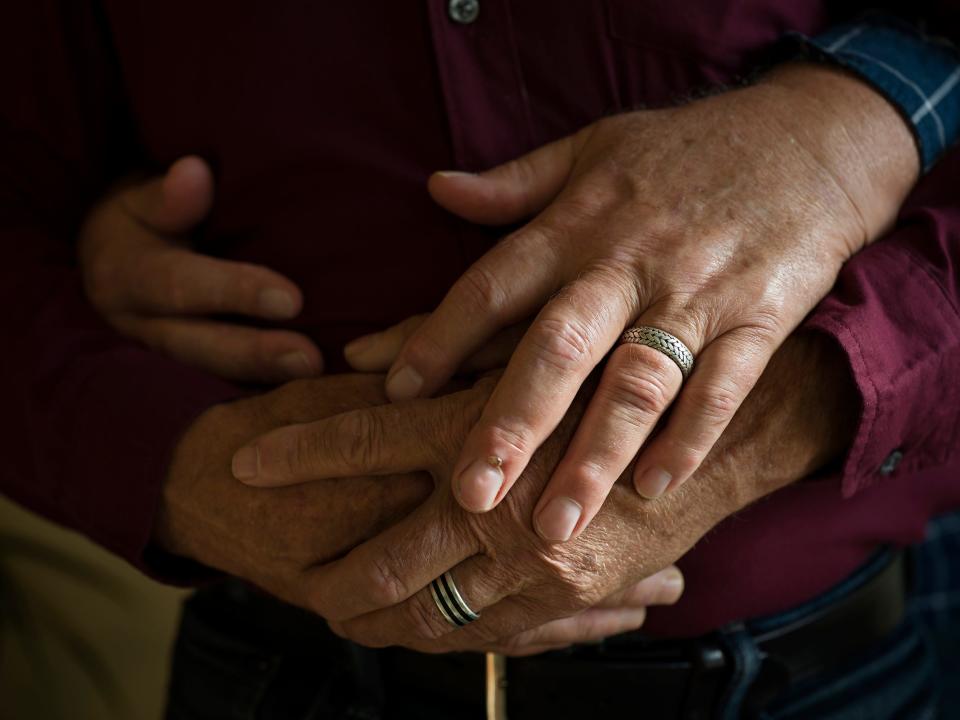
<point x="804" y="408"/>
<point x="278" y="537"/>
<point x="425" y="434"/>
<point x="275" y="538"/>
<point x="140" y="273"/>
<point x="722" y="222"/>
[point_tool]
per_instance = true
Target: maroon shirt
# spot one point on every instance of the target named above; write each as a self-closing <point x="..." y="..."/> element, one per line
<point x="323" y="121"/>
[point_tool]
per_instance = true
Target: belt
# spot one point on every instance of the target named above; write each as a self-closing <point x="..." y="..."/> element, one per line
<point x="683" y="679"/>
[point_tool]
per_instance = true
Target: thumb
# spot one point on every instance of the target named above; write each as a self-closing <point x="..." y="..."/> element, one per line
<point x="510" y="192"/>
<point x="175" y="202"/>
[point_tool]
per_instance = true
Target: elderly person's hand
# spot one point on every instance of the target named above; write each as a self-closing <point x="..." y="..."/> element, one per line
<point x="275" y="538"/>
<point x="143" y="278"/>
<point x="804" y="407"/>
<point x="721" y="222"/>
<point x="278" y="538"/>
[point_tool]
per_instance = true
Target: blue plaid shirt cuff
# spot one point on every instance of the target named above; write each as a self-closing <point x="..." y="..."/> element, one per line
<point x="917" y="73"/>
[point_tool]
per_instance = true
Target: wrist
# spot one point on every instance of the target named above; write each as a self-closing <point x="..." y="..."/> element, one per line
<point x="853" y="132"/>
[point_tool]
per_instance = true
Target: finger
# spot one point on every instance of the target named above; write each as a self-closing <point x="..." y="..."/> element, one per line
<point x="502" y="647"/>
<point x="503" y="287"/>
<point x="662" y="588"/>
<point x="392" y="567"/>
<point x="420" y="621"/>
<point x="588" y="626"/>
<point x="228" y="350"/>
<point x="526" y="609"/>
<point x="366" y="441"/>
<point x="726" y="371"/>
<point x="563" y="345"/>
<point x="175" y="202"/>
<point x="377" y="351"/>
<point x="510" y="192"/>
<point x="636" y="387"/>
<point x="171" y="280"/>
<point x="621" y="612"/>
<point x="491" y="593"/>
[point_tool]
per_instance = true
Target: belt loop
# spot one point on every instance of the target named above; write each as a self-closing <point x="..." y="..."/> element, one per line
<point x="746" y="661"/>
<point x="706" y="682"/>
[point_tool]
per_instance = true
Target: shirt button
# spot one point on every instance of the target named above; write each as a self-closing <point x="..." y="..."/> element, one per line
<point x="463" y="11"/>
<point x="890" y="464"/>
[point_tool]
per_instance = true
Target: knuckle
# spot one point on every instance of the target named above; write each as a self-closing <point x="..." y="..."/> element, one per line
<point x="716" y="403"/>
<point x="590" y="479"/>
<point x="572" y="582"/>
<point x="518" y="437"/>
<point x="302" y="451"/>
<point x="424" y="618"/>
<point x="425" y="350"/>
<point x="641" y="390"/>
<point x="387" y="586"/>
<point x="479" y="290"/>
<point x="561" y="344"/>
<point x="360" y="437"/>
<point x="685" y="459"/>
<point x="766" y="324"/>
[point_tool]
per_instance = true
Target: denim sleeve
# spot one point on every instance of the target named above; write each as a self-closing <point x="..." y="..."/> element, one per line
<point x="918" y="73"/>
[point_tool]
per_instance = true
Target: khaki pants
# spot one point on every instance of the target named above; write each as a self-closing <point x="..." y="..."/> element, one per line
<point x="82" y="634"/>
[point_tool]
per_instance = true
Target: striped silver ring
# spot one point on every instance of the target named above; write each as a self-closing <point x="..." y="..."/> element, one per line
<point x="664" y="342"/>
<point x="450" y="603"/>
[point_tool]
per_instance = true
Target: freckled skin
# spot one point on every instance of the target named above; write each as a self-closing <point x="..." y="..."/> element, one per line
<point x="721" y="222"/>
<point x="803" y="411"/>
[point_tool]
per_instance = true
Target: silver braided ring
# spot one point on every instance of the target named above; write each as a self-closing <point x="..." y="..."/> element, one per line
<point x="666" y="343"/>
<point x="450" y="603"/>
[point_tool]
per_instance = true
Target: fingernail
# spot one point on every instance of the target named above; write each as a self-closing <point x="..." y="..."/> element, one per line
<point x="277" y="304"/>
<point x="653" y="482"/>
<point x="479" y="484"/>
<point x="359" y="346"/>
<point x="246" y="463"/>
<point x="558" y="519"/>
<point x="404" y="384"/>
<point x="295" y="365"/>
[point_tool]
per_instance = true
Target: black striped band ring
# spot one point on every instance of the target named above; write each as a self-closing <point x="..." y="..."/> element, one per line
<point x="664" y="342"/>
<point x="450" y="603"/>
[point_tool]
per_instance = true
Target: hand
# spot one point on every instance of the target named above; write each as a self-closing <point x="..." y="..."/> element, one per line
<point x="275" y="538"/>
<point x="722" y="222"/>
<point x="425" y="435"/>
<point x="140" y="274"/>
<point x="803" y="412"/>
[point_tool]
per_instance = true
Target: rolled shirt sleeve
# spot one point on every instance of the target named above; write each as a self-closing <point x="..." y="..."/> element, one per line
<point x="90" y="418"/>
<point x="895" y="311"/>
<point x="918" y="72"/>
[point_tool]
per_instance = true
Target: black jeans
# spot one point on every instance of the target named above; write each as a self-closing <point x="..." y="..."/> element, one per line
<point x="243" y="656"/>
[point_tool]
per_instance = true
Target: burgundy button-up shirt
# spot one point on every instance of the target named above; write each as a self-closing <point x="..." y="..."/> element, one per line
<point x="323" y="121"/>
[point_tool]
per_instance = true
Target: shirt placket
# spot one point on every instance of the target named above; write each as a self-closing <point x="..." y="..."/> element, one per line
<point x="482" y="81"/>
